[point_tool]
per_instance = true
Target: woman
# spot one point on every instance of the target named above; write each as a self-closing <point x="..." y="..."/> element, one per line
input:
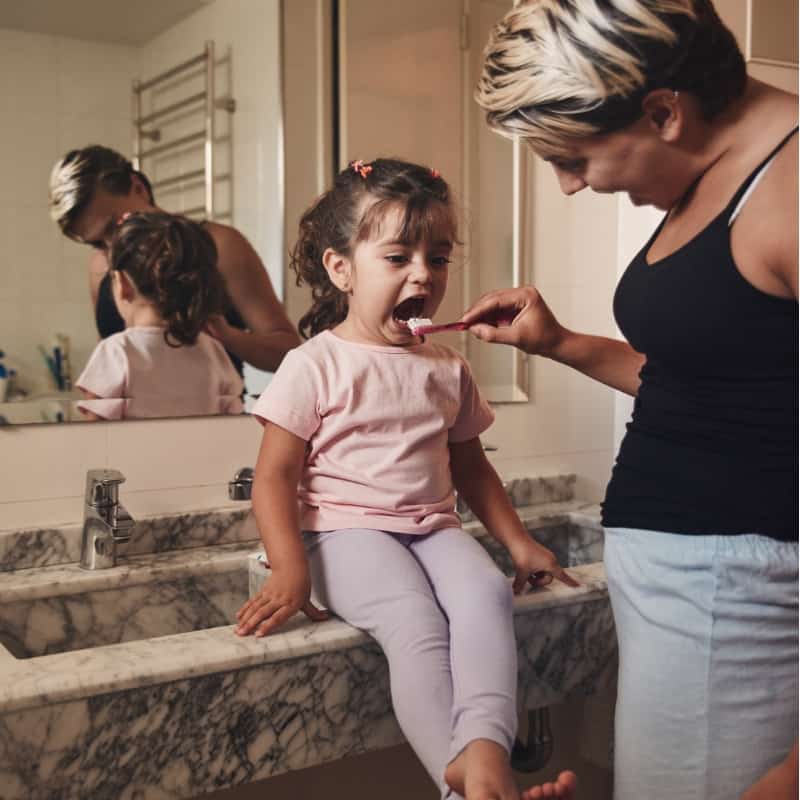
<point x="651" y="97"/>
<point x="90" y="189"/>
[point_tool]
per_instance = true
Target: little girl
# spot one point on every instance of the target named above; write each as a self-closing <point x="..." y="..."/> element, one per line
<point x="166" y="286"/>
<point x="377" y="427"/>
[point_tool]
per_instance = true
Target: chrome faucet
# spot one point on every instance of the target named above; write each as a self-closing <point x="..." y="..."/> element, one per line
<point x="106" y="523"/>
<point x="241" y="487"/>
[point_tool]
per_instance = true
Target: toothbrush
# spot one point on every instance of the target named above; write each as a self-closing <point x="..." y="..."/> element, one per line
<point x="420" y="326"/>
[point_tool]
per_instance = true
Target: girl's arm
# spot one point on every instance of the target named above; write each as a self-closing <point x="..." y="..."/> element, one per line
<point x="288" y="589"/>
<point x="535" y="330"/>
<point x="89" y="416"/>
<point x="477" y="482"/>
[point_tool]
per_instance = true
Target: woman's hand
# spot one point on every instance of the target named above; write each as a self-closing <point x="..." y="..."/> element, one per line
<point x="536" y="564"/>
<point x="283" y="595"/>
<point x="533" y="327"/>
<point x="218" y="327"/>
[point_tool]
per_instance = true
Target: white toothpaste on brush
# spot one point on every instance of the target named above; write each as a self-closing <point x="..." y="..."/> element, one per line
<point x="418" y="322"/>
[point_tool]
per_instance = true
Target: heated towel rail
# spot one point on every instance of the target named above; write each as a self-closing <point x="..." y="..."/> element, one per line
<point x="147" y="135"/>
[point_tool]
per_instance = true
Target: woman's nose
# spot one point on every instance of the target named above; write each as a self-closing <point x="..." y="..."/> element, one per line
<point x="569" y="182"/>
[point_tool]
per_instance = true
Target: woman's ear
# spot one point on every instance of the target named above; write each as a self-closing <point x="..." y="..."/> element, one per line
<point x="138" y="188"/>
<point x="339" y="269"/>
<point x="122" y="286"/>
<point x="663" y="109"/>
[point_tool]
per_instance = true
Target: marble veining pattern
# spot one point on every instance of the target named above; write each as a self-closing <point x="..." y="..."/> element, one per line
<point x="143" y="690"/>
<point x="38" y="547"/>
<point x="221" y="729"/>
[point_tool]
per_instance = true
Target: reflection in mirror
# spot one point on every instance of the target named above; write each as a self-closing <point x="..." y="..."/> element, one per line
<point x="75" y="67"/>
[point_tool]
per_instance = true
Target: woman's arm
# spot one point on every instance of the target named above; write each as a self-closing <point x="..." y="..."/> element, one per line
<point x="481" y="488"/>
<point x="288" y="589"/>
<point x="269" y="333"/>
<point x="535" y="330"/>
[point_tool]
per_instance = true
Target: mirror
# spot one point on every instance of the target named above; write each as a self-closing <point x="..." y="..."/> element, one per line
<point x="275" y="66"/>
<point x="69" y="71"/>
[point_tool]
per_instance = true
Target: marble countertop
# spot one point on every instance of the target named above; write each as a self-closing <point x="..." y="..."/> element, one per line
<point x="80" y="673"/>
<point x="176" y="715"/>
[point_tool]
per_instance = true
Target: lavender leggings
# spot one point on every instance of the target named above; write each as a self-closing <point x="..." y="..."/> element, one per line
<point x="441" y="611"/>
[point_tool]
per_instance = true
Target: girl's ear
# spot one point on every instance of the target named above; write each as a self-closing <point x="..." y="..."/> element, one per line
<point x="663" y="109"/>
<point x="339" y="269"/>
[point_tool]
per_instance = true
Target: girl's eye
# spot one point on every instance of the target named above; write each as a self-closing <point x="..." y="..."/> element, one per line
<point x="440" y="261"/>
<point x="397" y="258"/>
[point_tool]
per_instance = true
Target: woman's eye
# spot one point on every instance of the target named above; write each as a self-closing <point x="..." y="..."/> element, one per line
<point x="570" y="166"/>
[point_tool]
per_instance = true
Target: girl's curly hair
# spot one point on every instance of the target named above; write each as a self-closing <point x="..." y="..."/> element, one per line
<point x="341" y="218"/>
<point x="172" y="261"/>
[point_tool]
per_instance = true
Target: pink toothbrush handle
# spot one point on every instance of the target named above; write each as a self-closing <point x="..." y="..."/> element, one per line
<point x="444" y="326"/>
<point x="499" y="320"/>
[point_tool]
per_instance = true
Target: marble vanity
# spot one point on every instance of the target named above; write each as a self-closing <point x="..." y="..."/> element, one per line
<point x="130" y="683"/>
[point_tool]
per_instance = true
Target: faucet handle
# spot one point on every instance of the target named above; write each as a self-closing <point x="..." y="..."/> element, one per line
<point x="241" y="487"/>
<point x="102" y="487"/>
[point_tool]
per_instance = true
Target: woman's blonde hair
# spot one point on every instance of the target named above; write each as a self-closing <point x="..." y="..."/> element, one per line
<point x="75" y="178"/>
<point x="556" y="70"/>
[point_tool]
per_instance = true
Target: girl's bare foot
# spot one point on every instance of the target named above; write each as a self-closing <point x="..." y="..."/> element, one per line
<point x="481" y="771"/>
<point x="564" y="788"/>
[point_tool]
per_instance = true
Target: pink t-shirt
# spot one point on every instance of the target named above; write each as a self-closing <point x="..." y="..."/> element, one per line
<point x="135" y="373"/>
<point x="377" y="420"/>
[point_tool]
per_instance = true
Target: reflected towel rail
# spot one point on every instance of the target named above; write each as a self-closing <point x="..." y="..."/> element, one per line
<point x="170" y="109"/>
<point x="204" y="101"/>
<point x="188" y="177"/>
<point x="149" y="84"/>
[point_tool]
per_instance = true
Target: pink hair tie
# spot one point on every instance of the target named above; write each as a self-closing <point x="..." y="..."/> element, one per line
<point x="435" y="173"/>
<point x="361" y="168"/>
<point x="123" y="217"/>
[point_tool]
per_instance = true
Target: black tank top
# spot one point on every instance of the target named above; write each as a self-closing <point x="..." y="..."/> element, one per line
<point x="712" y="446"/>
<point x="109" y="321"/>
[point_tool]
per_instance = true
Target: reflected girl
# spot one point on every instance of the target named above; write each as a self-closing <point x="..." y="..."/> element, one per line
<point x="166" y="286"/>
<point x="92" y="187"/>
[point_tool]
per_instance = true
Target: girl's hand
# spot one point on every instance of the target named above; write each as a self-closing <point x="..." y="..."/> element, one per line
<point x="536" y="565"/>
<point x="533" y="327"/>
<point x="282" y="596"/>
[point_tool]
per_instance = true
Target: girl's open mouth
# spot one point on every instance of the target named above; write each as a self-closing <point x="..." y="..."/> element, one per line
<point x="410" y="307"/>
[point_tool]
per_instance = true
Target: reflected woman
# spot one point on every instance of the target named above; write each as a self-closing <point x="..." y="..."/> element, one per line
<point x="166" y="285"/>
<point x="91" y="188"/>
